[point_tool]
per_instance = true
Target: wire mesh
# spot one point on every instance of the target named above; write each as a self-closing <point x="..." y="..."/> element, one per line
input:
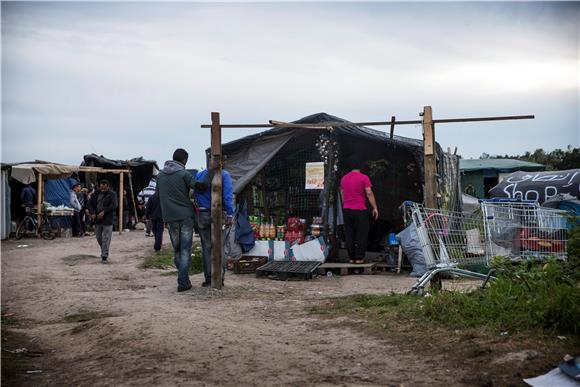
<point x="525" y="231"/>
<point x="449" y="238"/>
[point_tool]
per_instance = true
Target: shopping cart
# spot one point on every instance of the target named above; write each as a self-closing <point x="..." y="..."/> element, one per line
<point x="522" y="230"/>
<point x="460" y="244"/>
<point x="451" y="242"/>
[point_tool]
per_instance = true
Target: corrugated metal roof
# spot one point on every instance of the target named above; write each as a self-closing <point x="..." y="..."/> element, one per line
<point x="500" y="165"/>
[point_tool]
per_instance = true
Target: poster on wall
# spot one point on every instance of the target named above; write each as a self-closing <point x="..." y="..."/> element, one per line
<point x="315" y="175"/>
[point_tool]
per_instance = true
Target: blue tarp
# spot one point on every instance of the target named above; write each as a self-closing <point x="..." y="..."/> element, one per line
<point x="57" y="192"/>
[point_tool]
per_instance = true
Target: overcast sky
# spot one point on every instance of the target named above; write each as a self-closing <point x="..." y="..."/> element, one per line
<point x="137" y="79"/>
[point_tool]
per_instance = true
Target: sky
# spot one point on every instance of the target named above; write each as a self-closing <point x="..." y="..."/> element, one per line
<point x="127" y="79"/>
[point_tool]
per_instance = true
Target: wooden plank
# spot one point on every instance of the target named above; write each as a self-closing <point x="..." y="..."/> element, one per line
<point x="216" y="203"/>
<point x="429" y="159"/>
<point x="339" y="265"/>
<point x="121" y="203"/>
<point x="216" y="134"/>
<point x="39" y="193"/>
<point x="377" y="123"/>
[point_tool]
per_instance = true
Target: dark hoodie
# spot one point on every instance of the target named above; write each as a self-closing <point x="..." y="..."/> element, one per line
<point x="174" y="183"/>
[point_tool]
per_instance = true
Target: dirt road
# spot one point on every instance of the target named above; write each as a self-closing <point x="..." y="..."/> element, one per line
<point x="118" y="324"/>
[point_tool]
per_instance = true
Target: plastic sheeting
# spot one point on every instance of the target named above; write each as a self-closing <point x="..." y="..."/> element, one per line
<point x="57" y="192"/>
<point x="538" y="186"/>
<point x="25" y="173"/>
<point x="248" y="161"/>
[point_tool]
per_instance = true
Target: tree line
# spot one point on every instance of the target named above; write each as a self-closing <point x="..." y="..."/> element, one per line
<point x="556" y="160"/>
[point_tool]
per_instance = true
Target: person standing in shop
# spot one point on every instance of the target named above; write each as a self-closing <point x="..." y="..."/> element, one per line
<point x="355" y="189"/>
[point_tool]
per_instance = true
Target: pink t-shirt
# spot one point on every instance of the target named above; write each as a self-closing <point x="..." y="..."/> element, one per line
<point x="353" y="186"/>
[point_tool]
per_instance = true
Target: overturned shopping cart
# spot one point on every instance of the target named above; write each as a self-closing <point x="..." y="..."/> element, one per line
<point x="461" y="244"/>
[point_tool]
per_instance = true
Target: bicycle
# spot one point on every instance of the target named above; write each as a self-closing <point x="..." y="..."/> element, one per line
<point x="29" y="225"/>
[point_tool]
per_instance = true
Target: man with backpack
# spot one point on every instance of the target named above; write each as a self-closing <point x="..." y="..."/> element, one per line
<point x="204" y="218"/>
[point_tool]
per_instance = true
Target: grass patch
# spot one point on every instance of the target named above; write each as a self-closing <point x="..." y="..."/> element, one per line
<point x="164" y="260"/>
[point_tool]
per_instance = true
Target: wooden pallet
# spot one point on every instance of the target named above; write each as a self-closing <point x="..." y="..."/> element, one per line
<point x="346" y="268"/>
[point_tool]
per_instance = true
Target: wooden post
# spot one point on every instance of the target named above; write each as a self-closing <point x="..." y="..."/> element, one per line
<point x="392" y="126"/>
<point x="216" y="202"/>
<point x="430" y="159"/>
<point x="39" y="199"/>
<point x="121" y="203"/>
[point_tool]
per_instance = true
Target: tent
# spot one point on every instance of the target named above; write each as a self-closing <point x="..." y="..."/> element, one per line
<point x="141" y="172"/>
<point x="269" y="170"/>
<point x="52" y="182"/>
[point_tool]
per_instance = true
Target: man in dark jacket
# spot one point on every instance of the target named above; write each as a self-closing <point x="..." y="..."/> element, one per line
<point x="174" y="183"/>
<point x="153" y="214"/>
<point x="102" y="208"/>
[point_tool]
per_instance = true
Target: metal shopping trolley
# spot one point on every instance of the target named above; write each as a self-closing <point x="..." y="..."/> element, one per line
<point x="450" y="241"/>
<point x="460" y="244"/>
<point x="522" y="230"/>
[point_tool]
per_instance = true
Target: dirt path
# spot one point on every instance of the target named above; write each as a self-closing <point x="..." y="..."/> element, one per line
<point x="119" y="325"/>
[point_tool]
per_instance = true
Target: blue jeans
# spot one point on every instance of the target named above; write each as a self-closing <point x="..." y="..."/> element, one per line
<point x="181" y="234"/>
<point x="204" y="225"/>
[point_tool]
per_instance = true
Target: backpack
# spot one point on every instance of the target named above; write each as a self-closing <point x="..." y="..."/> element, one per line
<point x="244" y="232"/>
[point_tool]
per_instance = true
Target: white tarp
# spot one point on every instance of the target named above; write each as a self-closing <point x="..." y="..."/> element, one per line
<point x="25" y="173"/>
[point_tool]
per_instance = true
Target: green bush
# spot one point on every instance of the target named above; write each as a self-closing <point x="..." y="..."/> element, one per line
<point x="521" y="298"/>
<point x="164" y="260"/>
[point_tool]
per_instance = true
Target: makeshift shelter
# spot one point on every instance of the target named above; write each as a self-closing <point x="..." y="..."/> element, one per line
<point x="478" y="176"/>
<point x="269" y="171"/>
<point x="52" y="182"/>
<point x="140" y="173"/>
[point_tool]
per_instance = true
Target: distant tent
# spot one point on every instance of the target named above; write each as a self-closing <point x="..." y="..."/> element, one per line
<point x="141" y="171"/>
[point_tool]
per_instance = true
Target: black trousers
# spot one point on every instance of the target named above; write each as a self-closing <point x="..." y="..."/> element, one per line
<point x="356" y="232"/>
<point x="76" y="224"/>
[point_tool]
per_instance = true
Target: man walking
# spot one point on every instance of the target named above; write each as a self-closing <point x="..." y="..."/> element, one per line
<point x="174" y="183"/>
<point x="204" y="219"/>
<point x="102" y="206"/>
<point x="153" y="215"/>
<point x="355" y="188"/>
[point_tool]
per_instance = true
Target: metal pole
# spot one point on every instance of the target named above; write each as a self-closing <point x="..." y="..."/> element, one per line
<point x="216" y="202"/>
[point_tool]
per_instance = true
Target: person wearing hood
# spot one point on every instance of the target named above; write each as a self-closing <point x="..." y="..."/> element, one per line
<point x="174" y="183"/>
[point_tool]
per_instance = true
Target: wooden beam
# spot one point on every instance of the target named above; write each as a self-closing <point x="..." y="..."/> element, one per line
<point x="430" y="159"/>
<point x="121" y="203"/>
<point x="39" y="199"/>
<point x="216" y="202"/>
<point x="324" y="125"/>
<point x="392" y="126"/>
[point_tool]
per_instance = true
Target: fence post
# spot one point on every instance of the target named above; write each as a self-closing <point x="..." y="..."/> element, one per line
<point x="216" y="202"/>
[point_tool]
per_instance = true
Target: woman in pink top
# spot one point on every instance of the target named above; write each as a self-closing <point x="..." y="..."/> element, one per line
<point x="355" y="188"/>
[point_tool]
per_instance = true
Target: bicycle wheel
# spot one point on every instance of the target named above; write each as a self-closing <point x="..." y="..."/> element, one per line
<point x="22" y="228"/>
<point x="46" y="231"/>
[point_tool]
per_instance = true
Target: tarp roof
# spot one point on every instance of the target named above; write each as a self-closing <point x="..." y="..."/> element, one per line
<point x="500" y="165"/>
<point x="248" y="155"/>
<point x="319" y="118"/>
<point x="26" y="173"/>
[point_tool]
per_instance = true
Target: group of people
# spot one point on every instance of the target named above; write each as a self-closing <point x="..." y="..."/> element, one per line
<point x="185" y="213"/>
<point x="183" y="202"/>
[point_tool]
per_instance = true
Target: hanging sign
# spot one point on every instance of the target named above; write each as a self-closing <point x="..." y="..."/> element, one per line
<point x="315" y="175"/>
